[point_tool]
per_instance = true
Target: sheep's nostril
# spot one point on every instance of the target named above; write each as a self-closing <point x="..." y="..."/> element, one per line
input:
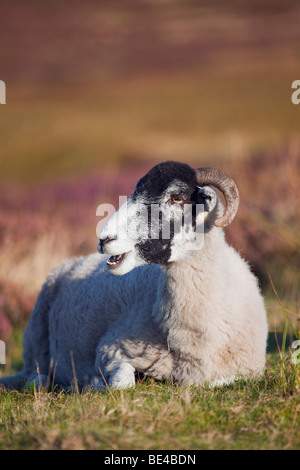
<point x="104" y="242"/>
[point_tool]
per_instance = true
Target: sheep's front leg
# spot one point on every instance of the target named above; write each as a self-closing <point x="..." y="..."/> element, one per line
<point x="122" y="377"/>
<point x="113" y="365"/>
<point x="117" y="358"/>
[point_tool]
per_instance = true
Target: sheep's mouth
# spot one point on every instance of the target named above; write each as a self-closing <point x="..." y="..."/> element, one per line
<point x="115" y="261"/>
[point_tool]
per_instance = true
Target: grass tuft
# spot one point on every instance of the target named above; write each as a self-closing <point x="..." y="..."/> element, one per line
<point x="247" y="414"/>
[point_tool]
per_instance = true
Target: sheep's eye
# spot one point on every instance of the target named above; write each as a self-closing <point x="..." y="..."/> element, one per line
<point x="176" y="200"/>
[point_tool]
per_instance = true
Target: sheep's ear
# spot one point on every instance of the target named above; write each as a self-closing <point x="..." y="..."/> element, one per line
<point x="207" y="196"/>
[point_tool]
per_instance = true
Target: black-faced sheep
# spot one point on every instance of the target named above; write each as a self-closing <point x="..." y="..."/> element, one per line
<point x="184" y="307"/>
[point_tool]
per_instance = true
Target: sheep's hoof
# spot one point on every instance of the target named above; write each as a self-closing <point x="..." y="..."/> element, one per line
<point x="123" y="377"/>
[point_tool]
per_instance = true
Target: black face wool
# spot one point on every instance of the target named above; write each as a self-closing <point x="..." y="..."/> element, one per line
<point x="150" y="188"/>
<point x="155" y="251"/>
<point x="159" y="178"/>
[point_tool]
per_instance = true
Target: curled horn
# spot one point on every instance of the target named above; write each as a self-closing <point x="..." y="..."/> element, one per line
<point x="227" y="186"/>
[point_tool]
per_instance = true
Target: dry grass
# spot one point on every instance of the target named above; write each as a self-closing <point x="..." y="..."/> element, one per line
<point x="245" y="415"/>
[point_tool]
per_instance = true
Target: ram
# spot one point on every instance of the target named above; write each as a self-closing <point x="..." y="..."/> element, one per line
<point x="183" y="307"/>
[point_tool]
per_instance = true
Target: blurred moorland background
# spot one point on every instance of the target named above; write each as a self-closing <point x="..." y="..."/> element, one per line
<point x="100" y="91"/>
